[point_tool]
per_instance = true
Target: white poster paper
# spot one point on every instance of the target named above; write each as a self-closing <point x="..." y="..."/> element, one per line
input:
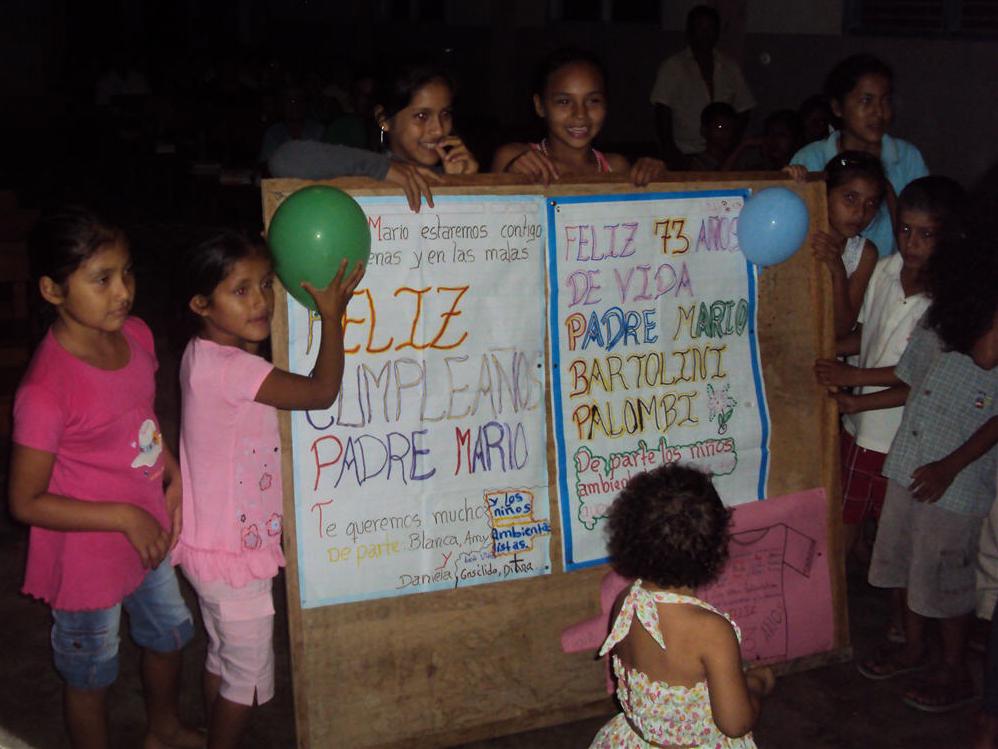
<point x="430" y="470"/>
<point x="654" y="351"/>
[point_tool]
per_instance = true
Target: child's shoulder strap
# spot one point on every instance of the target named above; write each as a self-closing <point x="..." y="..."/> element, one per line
<point x="642" y="603"/>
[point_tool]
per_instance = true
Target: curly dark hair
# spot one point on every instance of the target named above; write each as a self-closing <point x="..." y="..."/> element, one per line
<point x="962" y="273"/>
<point x="668" y="526"/>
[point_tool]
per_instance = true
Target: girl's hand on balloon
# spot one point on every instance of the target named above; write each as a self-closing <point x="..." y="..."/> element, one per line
<point x="455" y="156"/>
<point x="647" y="169"/>
<point x="796" y="171"/>
<point x="332" y="301"/>
<point x="535" y="165"/>
<point x="414" y="181"/>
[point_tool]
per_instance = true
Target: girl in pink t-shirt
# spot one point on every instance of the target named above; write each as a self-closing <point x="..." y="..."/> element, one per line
<point x="88" y="473"/>
<point x="230" y="547"/>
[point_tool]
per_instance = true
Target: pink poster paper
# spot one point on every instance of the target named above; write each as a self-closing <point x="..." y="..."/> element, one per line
<point x="776" y="584"/>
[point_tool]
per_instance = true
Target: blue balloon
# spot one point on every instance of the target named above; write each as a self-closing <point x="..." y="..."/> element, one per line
<point x="772" y="226"/>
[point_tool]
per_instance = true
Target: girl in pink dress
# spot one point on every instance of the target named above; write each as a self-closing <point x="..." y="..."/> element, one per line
<point x="92" y="477"/>
<point x="676" y="658"/>
<point x="230" y="457"/>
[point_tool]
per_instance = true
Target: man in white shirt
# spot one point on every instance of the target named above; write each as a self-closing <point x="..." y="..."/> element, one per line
<point x="689" y="81"/>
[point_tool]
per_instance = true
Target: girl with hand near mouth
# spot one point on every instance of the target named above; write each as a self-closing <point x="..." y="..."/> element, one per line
<point x="570" y="96"/>
<point x="860" y="89"/>
<point x="416" y="120"/>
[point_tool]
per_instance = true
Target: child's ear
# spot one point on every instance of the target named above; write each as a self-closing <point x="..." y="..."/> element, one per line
<point x="836" y="109"/>
<point x="199" y="304"/>
<point x="539" y="106"/>
<point x="379" y="117"/>
<point x="51" y="291"/>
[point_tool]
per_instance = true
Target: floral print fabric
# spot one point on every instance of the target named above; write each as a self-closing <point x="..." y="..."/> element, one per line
<point x="656" y="713"/>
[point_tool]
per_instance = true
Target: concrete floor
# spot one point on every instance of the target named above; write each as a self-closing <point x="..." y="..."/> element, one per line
<point x="827" y="708"/>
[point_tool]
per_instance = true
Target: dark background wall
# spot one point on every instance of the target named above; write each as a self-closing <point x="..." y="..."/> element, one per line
<point x="51" y="52"/>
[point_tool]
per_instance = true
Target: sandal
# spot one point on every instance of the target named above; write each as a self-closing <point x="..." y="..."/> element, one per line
<point x="886" y="663"/>
<point x="937" y="697"/>
<point x="895" y="635"/>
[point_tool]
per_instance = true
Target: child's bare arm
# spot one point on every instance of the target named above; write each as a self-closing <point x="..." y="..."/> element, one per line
<point x="173" y="495"/>
<point x="892" y="397"/>
<point x="290" y="391"/>
<point x="930" y="482"/>
<point x="734" y="703"/>
<point x="833" y="372"/>
<point x="849" y="344"/>
<point x="858" y="282"/>
<point x="828" y="252"/>
<point x="33" y="504"/>
<point x="520" y="158"/>
<point x="644" y="170"/>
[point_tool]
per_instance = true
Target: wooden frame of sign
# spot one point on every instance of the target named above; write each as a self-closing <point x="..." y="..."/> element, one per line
<point x="448" y="667"/>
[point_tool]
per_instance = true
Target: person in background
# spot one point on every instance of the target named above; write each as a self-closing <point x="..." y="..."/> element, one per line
<point x="689" y="81"/>
<point x="816" y="118"/>
<point x="719" y="128"/>
<point x="293" y="125"/>
<point x="860" y="89"/>
<point x="780" y="139"/>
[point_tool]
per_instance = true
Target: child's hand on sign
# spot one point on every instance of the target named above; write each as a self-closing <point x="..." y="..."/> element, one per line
<point x="834" y="373"/>
<point x="647" y="169"/>
<point x="847" y="402"/>
<point x="828" y="251"/>
<point x="796" y="171"/>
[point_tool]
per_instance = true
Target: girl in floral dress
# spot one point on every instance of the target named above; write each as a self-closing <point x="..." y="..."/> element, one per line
<point x="676" y="658"/>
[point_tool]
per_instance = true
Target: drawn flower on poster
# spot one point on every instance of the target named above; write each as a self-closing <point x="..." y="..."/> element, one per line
<point x="720" y="406"/>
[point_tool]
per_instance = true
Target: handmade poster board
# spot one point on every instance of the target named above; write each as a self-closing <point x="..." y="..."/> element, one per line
<point x="430" y="471"/>
<point x="654" y="348"/>
<point x="450" y="666"/>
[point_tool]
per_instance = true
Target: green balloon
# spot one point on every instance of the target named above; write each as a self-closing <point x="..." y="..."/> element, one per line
<point x="311" y="232"/>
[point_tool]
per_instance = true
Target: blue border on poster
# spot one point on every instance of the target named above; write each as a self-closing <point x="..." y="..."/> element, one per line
<point x="552" y="206"/>
<point x="294" y="306"/>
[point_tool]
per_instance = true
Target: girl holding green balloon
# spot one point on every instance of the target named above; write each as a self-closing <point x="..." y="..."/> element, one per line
<point x="230" y="545"/>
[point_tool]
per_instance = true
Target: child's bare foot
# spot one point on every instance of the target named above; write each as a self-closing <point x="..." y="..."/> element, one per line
<point x="180" y="737"/>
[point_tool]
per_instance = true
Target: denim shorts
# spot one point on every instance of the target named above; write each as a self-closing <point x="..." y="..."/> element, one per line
<point x="85" y="643"/>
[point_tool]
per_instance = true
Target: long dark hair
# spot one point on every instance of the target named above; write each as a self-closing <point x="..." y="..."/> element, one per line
<point x="65" y="238"/>
<point x="207" y="263"/>
<point x="396" y="91"/>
